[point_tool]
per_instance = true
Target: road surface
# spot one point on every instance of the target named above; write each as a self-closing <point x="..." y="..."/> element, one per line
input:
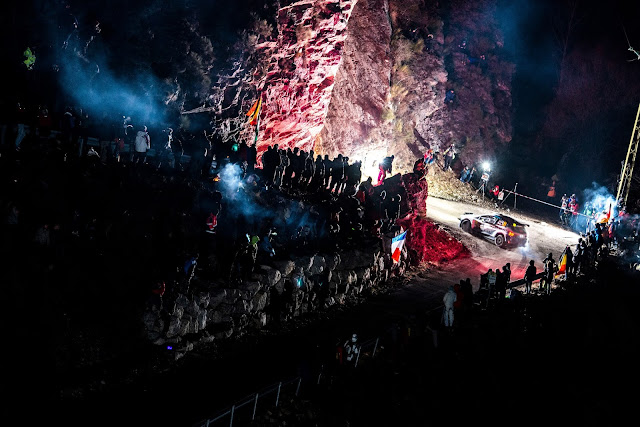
<point x="424" y="287"/>
<point x="543" y="238"/>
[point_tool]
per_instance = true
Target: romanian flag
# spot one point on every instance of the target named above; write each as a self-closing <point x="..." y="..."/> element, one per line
<point x="562" y="267"/>
<point x="254" y="112"/>
<point x="396" y="246"/>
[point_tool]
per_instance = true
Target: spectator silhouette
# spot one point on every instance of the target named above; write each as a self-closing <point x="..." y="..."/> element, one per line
<point x="142" y="145"/>
<point x="529" y="276"/>
<point x="448" y="300"/>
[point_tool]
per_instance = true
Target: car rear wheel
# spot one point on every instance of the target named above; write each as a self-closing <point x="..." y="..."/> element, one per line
<point x="466" y="226"/>
<point x="500" y="240"/>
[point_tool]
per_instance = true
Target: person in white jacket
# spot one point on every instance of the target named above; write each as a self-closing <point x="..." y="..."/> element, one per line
<point x="142" y="144"/>
<point x="449" y="298"/>
<point x="352" y="349"/>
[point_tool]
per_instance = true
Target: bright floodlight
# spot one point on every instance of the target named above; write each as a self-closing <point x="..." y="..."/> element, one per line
<point x="486" y="166"/>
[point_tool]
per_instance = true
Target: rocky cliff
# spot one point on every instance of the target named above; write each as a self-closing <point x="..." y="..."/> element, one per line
<point x="480" y="74"/>
<point x="353" y="125"/>
<point x="381" y="77"/>
<point x="442" y="78"/>
<point x="365" y="78"/>
<point x="298" y="69"/>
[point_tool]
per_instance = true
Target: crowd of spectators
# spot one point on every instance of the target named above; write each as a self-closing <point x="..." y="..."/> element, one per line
<point x="92" y="212"/>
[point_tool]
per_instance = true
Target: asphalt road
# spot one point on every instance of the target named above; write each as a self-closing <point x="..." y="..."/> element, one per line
<point x="424" y="287"/>
<point x="544" y="237"/>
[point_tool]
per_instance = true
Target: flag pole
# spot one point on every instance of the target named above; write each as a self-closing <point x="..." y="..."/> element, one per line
<point x="255" y="141"/>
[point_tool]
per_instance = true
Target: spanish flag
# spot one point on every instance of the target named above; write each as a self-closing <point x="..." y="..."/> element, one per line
<point x="254" y="112"/>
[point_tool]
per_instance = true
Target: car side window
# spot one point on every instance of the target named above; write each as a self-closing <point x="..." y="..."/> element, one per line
<point x="489" y="219"/>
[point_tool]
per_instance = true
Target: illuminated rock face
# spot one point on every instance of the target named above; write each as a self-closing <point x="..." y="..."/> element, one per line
<point x="370" y="79"/>
<point x="354" y="125"/>
<point x="401" y="57"/>
<point x="389" y="87"/>
<point x="479" y="119"/>
<point x="300" y="75"/>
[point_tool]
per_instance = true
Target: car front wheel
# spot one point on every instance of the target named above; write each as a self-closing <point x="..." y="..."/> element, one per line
<point x="500" y="240"/>
<point x="466" y="226"/>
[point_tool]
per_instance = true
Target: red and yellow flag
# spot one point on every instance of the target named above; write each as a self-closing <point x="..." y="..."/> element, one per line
<point x="605" y="218"/>
<point x="254" y="112"/>
<point x="563" y="265"/>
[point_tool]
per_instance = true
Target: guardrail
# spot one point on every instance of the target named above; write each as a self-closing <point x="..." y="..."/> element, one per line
<point x="520" y="282"/>
<point x="254" y="400"/>
<point x="372" y="343"/>
<point x="369" y="348"/>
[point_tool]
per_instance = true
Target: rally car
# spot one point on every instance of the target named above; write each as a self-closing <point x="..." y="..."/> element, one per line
<point x="503" y="230"/>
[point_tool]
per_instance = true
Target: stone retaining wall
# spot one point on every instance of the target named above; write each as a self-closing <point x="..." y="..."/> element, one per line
<point x="278" y="292"/>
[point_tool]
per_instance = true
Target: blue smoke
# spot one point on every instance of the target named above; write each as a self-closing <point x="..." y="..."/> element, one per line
<point x="285" y="214"/>
<point x="600" y="198"/>
<point x="236" y="190"/>
<point x="87" y="60"/>
<point x="230" y="179"/>
<point x="99" y="91"/>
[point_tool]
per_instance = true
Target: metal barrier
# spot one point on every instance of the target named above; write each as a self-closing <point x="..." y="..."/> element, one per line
<point x="252" y="399"/>
<point x="520" y="282"/>
<point x="370" y="343"/>
<point x="369" y="347"/>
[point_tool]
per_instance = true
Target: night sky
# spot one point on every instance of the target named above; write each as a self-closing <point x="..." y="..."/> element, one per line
<point x="597" y="39"/>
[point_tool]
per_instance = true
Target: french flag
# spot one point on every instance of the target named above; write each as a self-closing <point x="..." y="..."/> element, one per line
<point x="396" y="246"/>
